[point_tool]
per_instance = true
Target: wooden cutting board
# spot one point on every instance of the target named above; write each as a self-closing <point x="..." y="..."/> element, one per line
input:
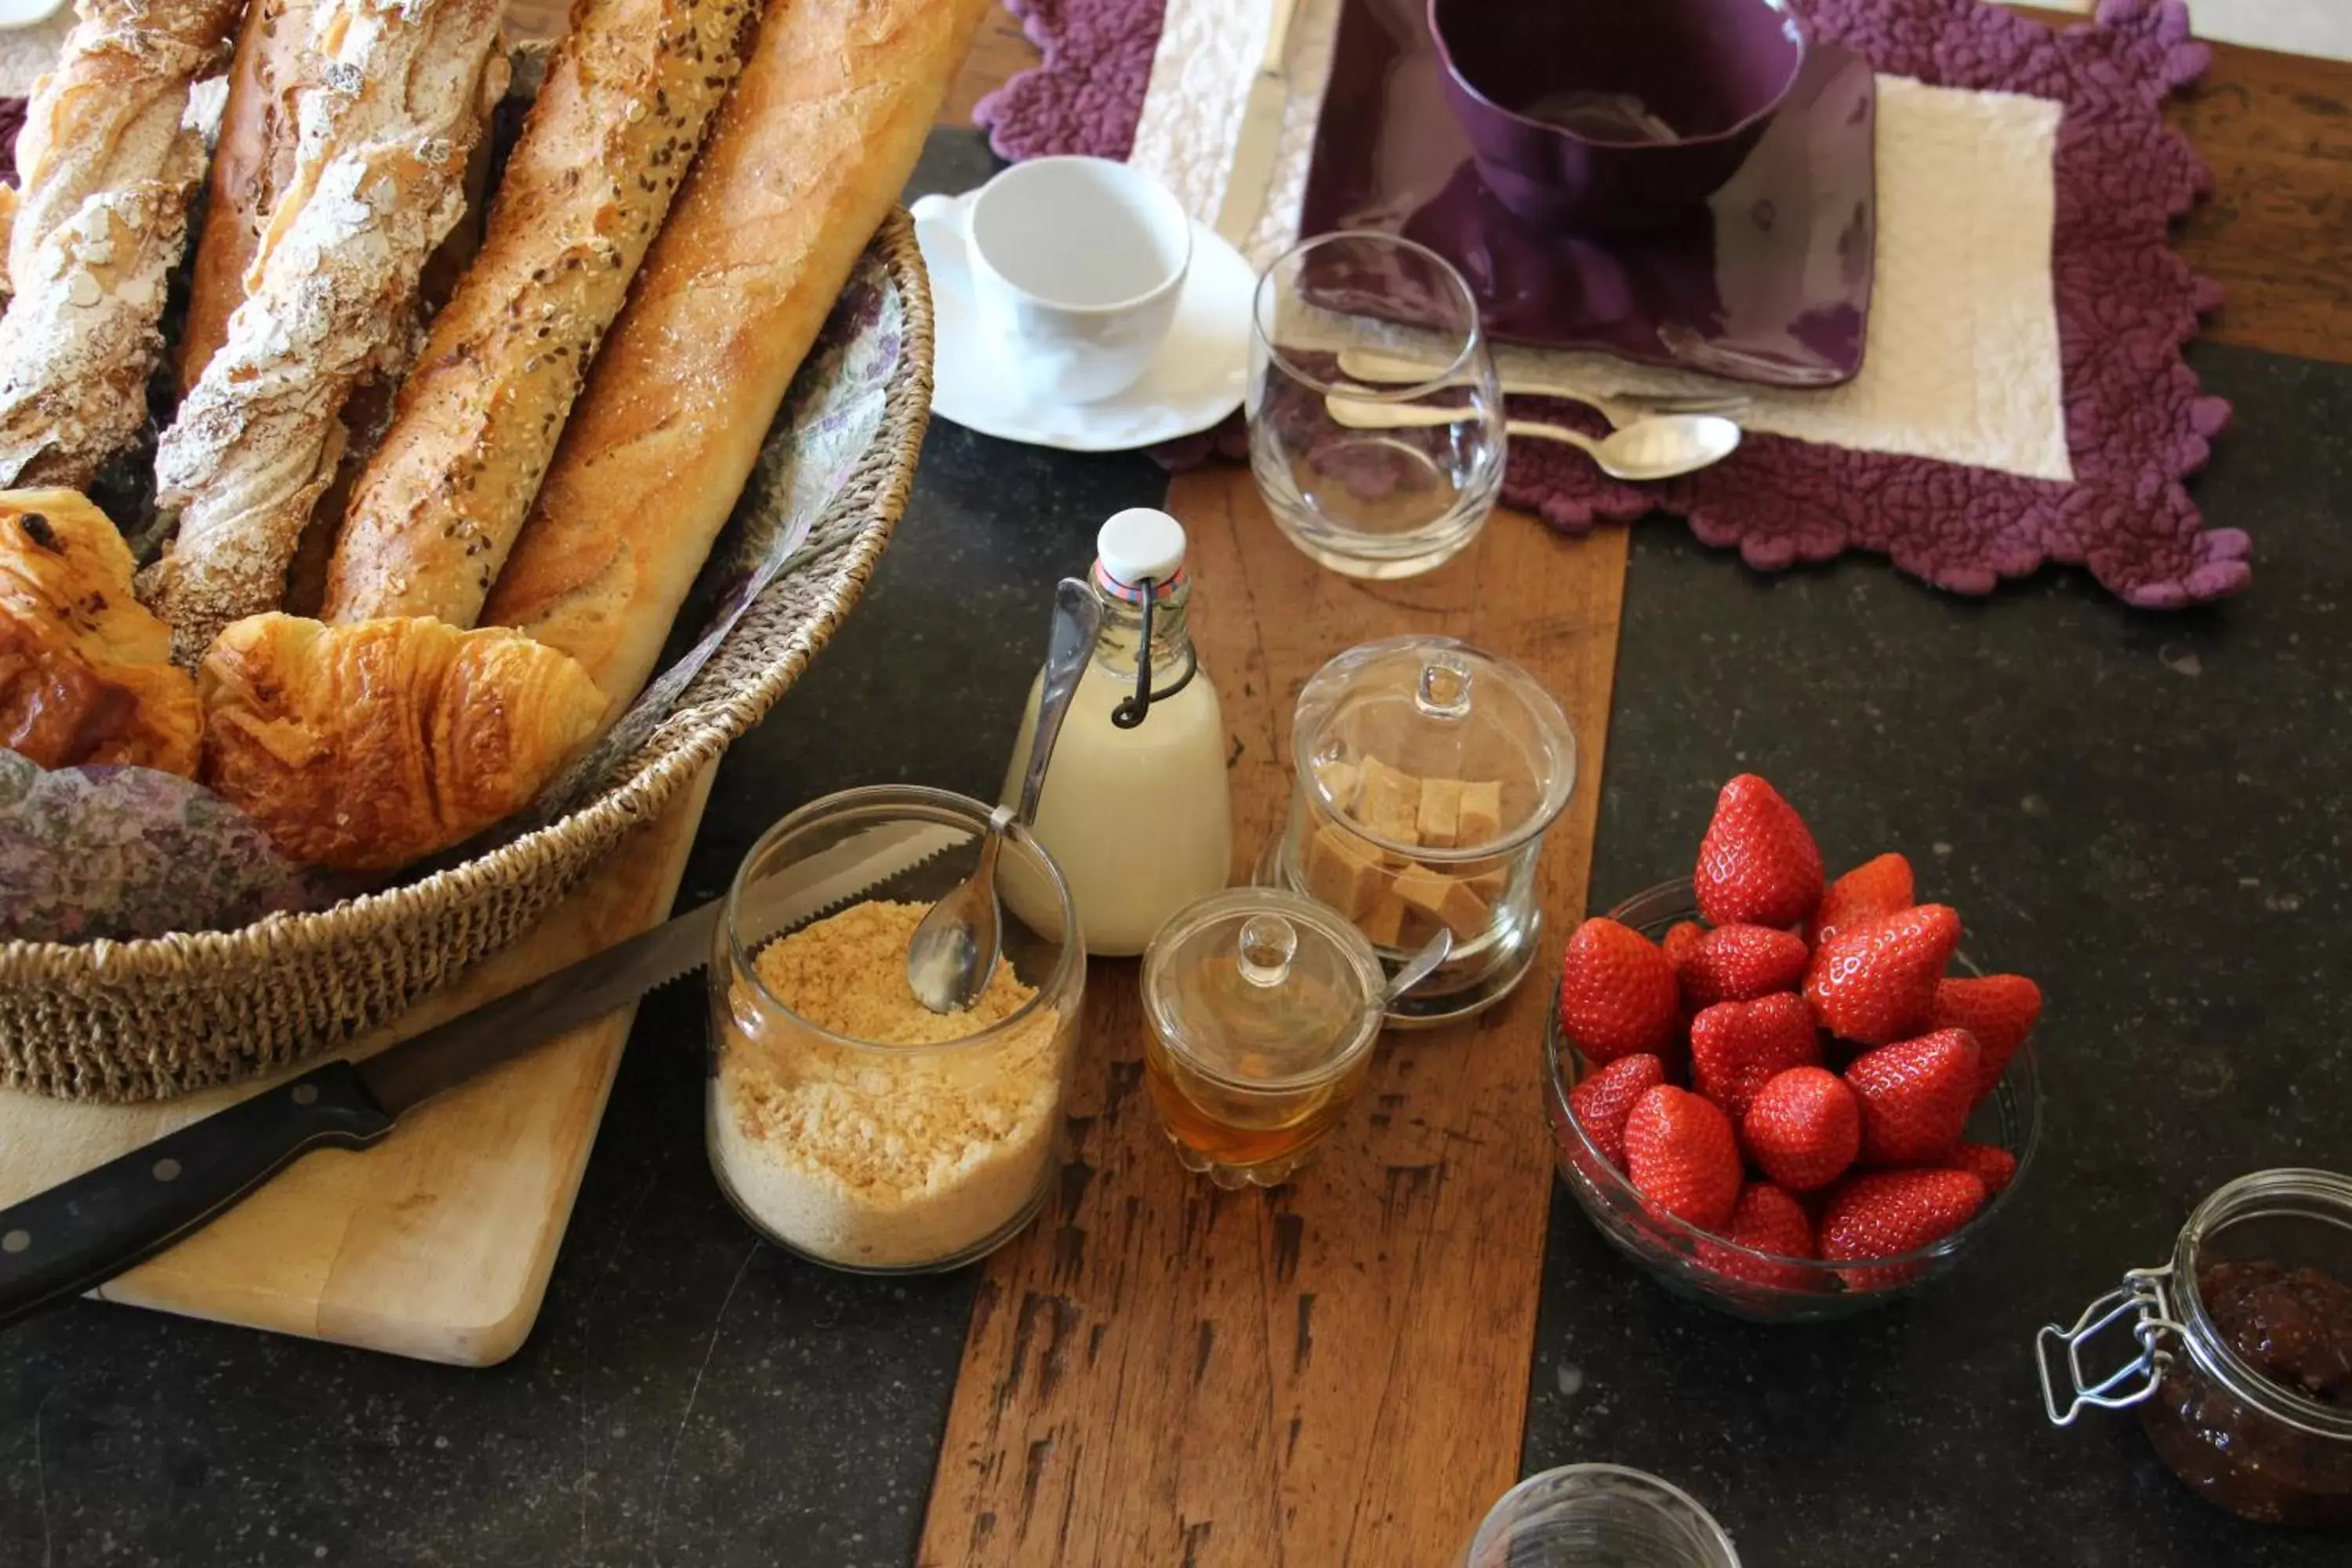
<point x="437" y="1243"/>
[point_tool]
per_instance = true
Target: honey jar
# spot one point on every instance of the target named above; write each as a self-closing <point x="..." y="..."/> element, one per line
<point x="1263" y="1006"/>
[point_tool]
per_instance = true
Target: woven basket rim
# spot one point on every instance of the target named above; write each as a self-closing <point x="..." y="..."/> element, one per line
<point x="670" y="758"/>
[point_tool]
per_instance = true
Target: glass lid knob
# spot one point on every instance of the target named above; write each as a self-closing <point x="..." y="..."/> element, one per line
<point x="1269" y="943"/>
<point x="1444" y="691"/>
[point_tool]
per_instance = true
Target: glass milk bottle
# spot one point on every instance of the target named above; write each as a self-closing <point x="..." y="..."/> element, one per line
<point x="1136" y="810"/>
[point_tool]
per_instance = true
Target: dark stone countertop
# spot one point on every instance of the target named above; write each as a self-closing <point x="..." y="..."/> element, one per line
<point x="2143" y="810"/>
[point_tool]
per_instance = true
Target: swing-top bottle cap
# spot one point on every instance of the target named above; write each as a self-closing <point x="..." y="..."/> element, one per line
<point x="1140" y="542"/>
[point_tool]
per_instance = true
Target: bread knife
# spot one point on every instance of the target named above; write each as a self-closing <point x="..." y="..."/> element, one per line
<point x="1269" y="94"/>
<point x="85" y="1230"/>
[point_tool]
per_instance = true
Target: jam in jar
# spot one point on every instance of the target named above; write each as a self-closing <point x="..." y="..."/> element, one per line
<point x="2243" y="1375"/>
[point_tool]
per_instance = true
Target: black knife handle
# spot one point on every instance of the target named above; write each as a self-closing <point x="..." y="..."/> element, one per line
<point x="85" y="1231"/>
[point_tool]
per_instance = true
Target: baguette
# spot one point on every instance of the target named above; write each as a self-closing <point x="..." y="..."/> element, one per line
<point x="808" y="156"/>
<point x="104" y="169"/>
<point x="378" y="181"/>
<point x="252" y="162"/>
<point x="627" y="97"/>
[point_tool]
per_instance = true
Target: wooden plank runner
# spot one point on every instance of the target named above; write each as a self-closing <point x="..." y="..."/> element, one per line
<point x="1335" y="1371"/>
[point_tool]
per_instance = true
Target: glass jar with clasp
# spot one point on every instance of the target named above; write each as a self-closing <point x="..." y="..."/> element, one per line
<point x="1137" y="808"/>
<point x="2239" y="1359"/>
<point x="1427" y="773"/>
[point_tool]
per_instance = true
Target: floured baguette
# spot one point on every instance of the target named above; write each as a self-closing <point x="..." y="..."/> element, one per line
<point x="808" y="155"/>
<point x="378" y="180"/>
<point x="627" y="97"/>
<point x="104" y="170"/>
<point x="253" y="162"/>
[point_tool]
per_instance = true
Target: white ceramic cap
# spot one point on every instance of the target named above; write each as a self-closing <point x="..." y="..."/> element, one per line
<point x="1140" y="542"/>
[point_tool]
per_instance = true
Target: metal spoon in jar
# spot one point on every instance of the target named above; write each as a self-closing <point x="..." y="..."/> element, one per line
<point x="1656" y="447"/>
<point x="955" y="949"/>
<point x="1418" y="968"/>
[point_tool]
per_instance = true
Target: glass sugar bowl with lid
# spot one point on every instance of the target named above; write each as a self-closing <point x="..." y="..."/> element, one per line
<point x="1426" y="775"/>
<point x="2237" y="1353"/>
<point x="1264" y="1007"/>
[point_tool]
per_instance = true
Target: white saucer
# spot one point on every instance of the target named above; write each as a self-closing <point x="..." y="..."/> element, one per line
<point x="1196" y="381"/>
<point x="26" y="13"/>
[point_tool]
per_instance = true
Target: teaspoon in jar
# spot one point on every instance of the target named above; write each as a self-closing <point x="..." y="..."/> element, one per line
<point x="955" y="949"/>
<point x="1418" y="968"/>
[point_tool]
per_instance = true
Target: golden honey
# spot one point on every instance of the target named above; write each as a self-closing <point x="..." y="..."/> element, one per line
<point x="1228" y="1123"/>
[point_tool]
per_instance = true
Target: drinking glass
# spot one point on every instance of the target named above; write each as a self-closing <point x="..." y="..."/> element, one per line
<point x="1377" y="479"/>
<point x="1599" y="1516"/>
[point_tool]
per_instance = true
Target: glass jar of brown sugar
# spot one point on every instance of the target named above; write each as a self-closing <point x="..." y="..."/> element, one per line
<point x="2243" y="1373"/>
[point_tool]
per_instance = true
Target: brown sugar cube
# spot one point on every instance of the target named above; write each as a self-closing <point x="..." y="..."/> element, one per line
<point x="1344" y="871"/>
<point x="1383" y="923"/>
<point x="1480" y="820"/>
<point x="1441" y="812"/>
<point x="1418" y="928"/>
<point x="1448" y="899"/>
<point x="1339" y="777"/>
<point x="1390" y="803"/>
<point x="1486" y="877"/>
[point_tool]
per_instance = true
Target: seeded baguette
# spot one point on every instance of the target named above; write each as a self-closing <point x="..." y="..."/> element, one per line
<point x="809" y="154"/>
<point x="628" y="94"/>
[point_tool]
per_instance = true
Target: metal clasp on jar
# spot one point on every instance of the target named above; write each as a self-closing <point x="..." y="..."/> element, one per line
<point x="2145" y="1302"/>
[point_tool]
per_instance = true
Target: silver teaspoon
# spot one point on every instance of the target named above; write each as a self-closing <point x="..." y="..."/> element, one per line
<point x="1418" y="968"/>
<point x="955" y="949"/>
<point x="1656" y="446"/>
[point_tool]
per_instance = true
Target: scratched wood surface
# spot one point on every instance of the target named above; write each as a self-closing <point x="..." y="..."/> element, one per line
<point x="1335" y="1371"/>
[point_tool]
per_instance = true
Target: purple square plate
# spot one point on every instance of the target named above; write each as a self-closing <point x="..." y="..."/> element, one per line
<point x="1768" y="283"/>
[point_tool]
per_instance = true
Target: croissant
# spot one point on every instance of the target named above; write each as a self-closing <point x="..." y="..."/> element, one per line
<point x="86" y="673"/>
<point x="369" y="746"/>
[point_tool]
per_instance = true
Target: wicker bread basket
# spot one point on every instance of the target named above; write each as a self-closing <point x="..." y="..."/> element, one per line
<point x="140" y="1020"/>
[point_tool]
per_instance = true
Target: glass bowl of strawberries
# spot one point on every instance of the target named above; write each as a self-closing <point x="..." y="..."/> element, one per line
<point x="1791" y="1098"/>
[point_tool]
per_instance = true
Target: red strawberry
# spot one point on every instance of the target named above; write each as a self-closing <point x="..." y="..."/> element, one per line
<point x="2000" y="1010"/>
<point x="1758" y="864"/>
<point x="1739" y="963"/>
<point x="1603" y="1099"/>
<point x="1885" y="1214"/>
<point x="1737" y="1046"/>
<point x="1876" y="980"/>
<point x="1766" y="1220"/>
<point x="1680" y="938"/>
<point x="1992" y="1166"/>
<point x="1916" y="1096"/>
<point x="1880" y="887"/>
<point x="1803" y="1129"/>
<point x="1682" y="1156"/>
<point x="1617" y="993"/>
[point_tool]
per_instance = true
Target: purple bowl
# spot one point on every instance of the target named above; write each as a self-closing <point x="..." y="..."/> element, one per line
<point x="1613" y="114"/>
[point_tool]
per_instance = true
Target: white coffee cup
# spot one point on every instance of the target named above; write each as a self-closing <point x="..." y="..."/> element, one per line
<point x="1076" y="265"/>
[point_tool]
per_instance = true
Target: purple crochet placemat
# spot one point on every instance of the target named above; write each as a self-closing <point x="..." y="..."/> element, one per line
<point x="2138" y="423"/>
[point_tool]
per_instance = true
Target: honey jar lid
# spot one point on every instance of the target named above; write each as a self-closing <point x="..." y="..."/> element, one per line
<point x="1378" y="725"/>
<point x="1260" y="989"/>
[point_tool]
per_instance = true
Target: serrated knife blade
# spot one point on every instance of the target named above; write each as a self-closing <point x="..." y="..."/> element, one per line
<point x="85" y="1230"/>
<point x="472" y="1043"/>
